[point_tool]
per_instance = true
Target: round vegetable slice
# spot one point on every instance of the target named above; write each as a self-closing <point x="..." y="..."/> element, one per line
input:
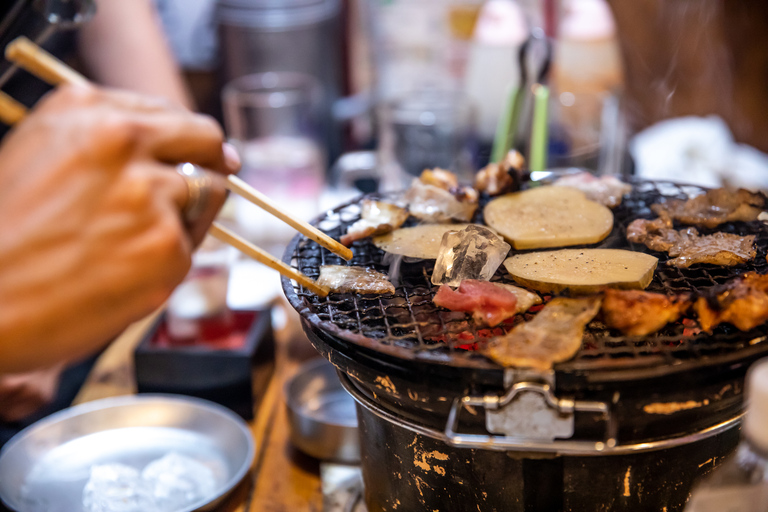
<point x="582" y="270"/>
<point x="548" y="217"/>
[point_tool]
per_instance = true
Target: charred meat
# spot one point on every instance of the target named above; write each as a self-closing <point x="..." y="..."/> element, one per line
<point x="376" y="218"/>
<point x="554" y="335"/>
<point x="687" y="247"/>
<point x="742" y="302"/>
<point x="498" y="178"/>
<point x="343" y="279"/>
<point x="713" y="208"/>
<point x="489" y="303"/>
<point x="656" y="234"/>
<point x="638" y="313"/>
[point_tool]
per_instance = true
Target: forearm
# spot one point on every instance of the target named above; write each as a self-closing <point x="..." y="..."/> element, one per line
<point x="124" y="46"/>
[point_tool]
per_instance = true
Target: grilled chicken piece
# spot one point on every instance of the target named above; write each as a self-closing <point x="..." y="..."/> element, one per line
<point x="713" y="208"/>
<point x="554" y="335"/>
<point x="687" y="247"/>
<point x="437" y="197"/>
<point x="376" y="218"/>
<point x="742" y="302"/>
<point x="637" y="313"/>
<point x="498" y="178"/>
<point x="439" y="178"/>
<point x="343" y="279"/>
<point x="489" y="303"/>
<point x="606" y="190"/>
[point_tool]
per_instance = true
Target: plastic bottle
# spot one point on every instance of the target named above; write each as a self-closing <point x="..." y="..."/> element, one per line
<point x="740" y="484"/>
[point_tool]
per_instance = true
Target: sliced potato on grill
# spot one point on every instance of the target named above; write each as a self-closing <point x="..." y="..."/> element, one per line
<point x="582" y="270"/>
<point x="416" y="242"/>
<point x="548" y="217"/>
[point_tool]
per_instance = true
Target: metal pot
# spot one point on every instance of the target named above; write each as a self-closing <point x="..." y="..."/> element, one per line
<point x="321" y="414"/>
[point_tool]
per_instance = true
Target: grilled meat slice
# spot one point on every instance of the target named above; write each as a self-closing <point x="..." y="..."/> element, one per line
<point x="606" y="190"/>
<point x="344" y="279"/>
<point x="489" y="303"/>
<point x="376" y="218"/>
<point x="656" y="234"/>
<point x="436" y="196"/>
<point x="554" y="335"/>
<point x="688" y="247"/>
<point x="713" y="208"/>
<point x="742" y="302"/>
<point x="722" y="249"/>
<point x="637" y="313"/>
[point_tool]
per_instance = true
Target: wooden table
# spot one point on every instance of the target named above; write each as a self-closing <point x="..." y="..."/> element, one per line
<point x="281" y="479"/>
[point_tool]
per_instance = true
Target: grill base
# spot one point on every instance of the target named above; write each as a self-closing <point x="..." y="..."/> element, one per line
<point x="425" y="474"/>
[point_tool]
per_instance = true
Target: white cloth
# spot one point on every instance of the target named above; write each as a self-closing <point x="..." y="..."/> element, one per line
<point x="698" y="150"/>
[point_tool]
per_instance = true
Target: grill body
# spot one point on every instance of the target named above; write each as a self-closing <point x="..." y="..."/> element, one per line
<point x="409" y="464"/>
<point x="409" y="471"/>
<point x="648" y="415"/>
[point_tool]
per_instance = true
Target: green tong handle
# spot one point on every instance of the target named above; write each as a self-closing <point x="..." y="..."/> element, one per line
<point x="505" y="130"/>
<point x="539" y="134"/>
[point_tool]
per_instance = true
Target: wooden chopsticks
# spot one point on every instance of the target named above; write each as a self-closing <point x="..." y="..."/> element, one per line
<point x="246" y="191"/>
<point x="26" y="54"/>
<point x="11" y="111"/>
<point x="45" y="66"/>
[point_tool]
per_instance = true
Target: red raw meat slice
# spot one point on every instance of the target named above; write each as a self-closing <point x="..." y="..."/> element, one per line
<point x="489" y="304"/>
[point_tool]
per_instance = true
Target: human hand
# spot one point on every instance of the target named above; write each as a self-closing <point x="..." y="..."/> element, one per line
<point x="24" y="394"/>
<point x="91" y="236"/>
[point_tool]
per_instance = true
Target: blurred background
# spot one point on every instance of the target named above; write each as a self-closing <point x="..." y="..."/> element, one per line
<point x="327" y="99"/>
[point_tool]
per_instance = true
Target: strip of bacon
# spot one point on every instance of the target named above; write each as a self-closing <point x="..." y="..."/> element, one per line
<point x="637" y="313"/>
<point x="554" y="335"/>
<point x="489" y="303"/>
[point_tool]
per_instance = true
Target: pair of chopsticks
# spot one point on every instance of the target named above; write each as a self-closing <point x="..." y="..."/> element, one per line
<point x="45" y="66"/>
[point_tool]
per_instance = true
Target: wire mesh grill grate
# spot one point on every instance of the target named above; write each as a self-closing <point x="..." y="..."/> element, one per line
<point x="409" y="324"/>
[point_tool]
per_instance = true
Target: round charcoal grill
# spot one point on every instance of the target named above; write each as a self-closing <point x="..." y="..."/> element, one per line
<point x="627" y="424"/>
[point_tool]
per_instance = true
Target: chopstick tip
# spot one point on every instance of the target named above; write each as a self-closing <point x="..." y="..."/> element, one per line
<point x="346" y="253"/>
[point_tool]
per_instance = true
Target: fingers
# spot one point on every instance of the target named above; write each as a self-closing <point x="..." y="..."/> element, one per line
<point x="181" y="191"/>
<point x="206" y="194"/>
<point x="157" y="129"/>
<point x="151" y="134"/>
<point x="231" y="158"/>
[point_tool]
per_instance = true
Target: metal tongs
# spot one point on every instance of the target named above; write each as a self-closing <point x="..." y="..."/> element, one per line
<point x="525" y="117"/>
<point x="45" y="66"/>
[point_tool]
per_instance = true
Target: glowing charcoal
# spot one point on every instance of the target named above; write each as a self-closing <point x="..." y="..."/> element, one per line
<point x="474" y="252"/>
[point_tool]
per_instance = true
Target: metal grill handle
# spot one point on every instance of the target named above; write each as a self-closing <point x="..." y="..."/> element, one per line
<point x="508" y="443"/>
<point x="504" y="406"/>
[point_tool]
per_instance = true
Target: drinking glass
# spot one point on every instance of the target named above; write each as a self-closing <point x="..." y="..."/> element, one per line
<point x="429" y="128"/>
<point x="588" y="131"/>
<point x="272" y="119"/>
